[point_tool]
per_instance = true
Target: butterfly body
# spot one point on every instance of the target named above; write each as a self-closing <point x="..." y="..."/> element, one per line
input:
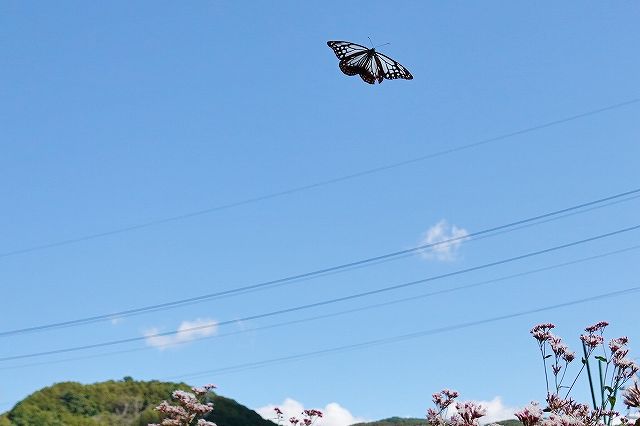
<point x="370" y="65"/>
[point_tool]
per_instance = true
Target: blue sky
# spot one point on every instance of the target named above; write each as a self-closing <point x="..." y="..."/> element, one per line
<point x="117" y="114"/>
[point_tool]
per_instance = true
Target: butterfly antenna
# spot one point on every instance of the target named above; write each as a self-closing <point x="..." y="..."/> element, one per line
<point x="370" y="42"/>
<point x="386" y="44"/>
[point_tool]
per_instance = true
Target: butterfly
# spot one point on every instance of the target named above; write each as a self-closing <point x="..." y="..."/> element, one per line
<point x="369" y="64"/>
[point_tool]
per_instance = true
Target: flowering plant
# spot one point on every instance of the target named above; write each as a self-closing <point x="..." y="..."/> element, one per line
<point x="614" y="371"/>
<point x="309" y="417"/>
<point x="189" y="407"/>
<point x="468" y="413"/>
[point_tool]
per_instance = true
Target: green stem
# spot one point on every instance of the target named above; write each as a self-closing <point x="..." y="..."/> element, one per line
<point x="544" y="365"/>
<point x="603" y="403"/>
<point x="586" y="362"/>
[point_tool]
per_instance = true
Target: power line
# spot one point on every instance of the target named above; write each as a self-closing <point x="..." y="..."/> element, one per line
<point x="327" y="302"/>
<point x="318" y="184"/>
<point x="505" y="231"/>
<point x="342" y="312"/>
<point x="403" y="337"/>
<point x="311" y="274"/>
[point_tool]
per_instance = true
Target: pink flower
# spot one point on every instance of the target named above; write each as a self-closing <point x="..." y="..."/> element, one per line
<point x="556" y="403"/>
<point x="569" y="356"/>
<point x="599" y="326"/>
<point x="434" y="418"/>
<point x="632" y="396"/>
<point x="444" y="398"/>
<point x="312" y="413"/>
<point x="616" y="344"/>
<point x="530" y="415"/>
<point x="626" y="368"/>
<point x="203" y="390"/>
<point x="541" y="332"/>
<point x="171" y="410"/>
<point x="468" y="414"/>
<point x="592" y="340"/>
<point x="189" y="408"/>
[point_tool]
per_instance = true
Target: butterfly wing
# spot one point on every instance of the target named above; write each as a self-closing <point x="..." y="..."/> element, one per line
<point x="390" y="68"/>
<point x="369" y="64"/>
<point x="346" y="49"/>
<point x="362" y="64"/>
<point x="370" y="71"/>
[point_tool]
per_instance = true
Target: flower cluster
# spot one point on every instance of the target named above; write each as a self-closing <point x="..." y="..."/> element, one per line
<point x="442" y="400"/>
<point x="569" y="412"/>
<point x="530" y="415"/>
<point x="593" y="340"/>
<point x="624" y="368"/>
<point x="189" y="407"/>
<point x="541" y="332"/>
<point x="614" y="369"/>
<point x="467" y="414"/>
<point x="599" y="326"/>
<point x="632" y="396"/>
<point x="309" y="417"/>
<point x="562" y="356"/>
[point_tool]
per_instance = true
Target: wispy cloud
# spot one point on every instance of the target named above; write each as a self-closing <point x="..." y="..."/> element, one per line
<point x="333" y="413"/>
<point x="187" y="331"/>
<point x="438" y="233"/>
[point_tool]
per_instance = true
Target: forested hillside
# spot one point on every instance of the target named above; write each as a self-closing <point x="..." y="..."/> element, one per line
<point x="123" y="403"/>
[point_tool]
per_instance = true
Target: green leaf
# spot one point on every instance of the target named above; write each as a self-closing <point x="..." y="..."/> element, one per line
<point x="601" y="358"/>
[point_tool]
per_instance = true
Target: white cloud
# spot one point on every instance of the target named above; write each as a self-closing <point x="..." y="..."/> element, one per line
<point x="187" y="331"/>
<point x="496" y="411"/>
<point x="439" y="232"/>
<point x="333" y="413"/>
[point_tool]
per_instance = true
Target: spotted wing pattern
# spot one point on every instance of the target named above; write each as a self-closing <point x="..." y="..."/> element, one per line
<point x="345" y="49"/>
<point x="369" y="64"/>
<point x="391" y="69"/>
<point x="362" y="64"/>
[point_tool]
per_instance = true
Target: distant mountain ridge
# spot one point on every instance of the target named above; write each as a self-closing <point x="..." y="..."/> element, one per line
<point x="115" y="403"/>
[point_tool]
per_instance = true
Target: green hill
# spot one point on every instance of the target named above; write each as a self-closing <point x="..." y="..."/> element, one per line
<point x="114" y="403"/>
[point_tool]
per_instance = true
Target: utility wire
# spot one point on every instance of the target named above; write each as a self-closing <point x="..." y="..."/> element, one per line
<point x="326" y="302"/>
<point x="403" y="337"/>
<point x="318" y="184"/>
<point x="307" y="275"/>
<point x="497" y="233"/>
<point x="337" y="313"/>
